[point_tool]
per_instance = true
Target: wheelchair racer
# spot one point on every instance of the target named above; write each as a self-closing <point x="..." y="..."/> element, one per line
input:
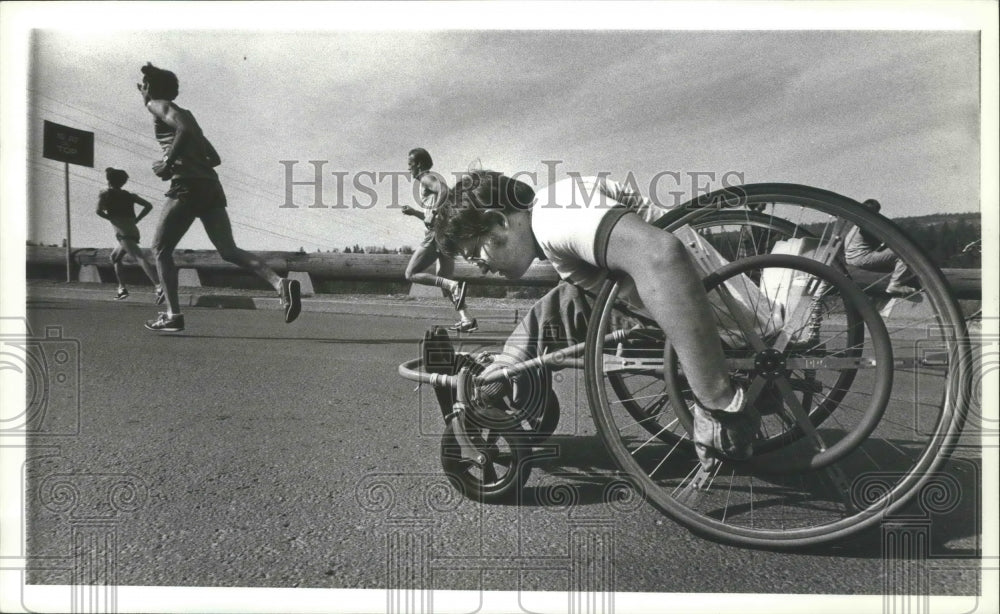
<point x="588" y="227"/>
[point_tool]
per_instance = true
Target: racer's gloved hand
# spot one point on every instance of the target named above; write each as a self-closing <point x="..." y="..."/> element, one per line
<point x="494" y="394"/>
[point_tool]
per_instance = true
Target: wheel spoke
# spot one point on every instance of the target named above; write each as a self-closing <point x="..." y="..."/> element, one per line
<point x="489" y="473"/>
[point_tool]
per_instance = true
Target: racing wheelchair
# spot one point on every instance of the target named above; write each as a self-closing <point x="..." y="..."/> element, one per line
<point x="854" y="423"/>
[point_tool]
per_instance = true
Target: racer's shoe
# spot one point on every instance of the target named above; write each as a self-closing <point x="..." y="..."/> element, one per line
<point x="724" y="433"/>
<point x="165" y="323"/>
<point x="161" y="296"/>
<point x="466" y="326"/>
<point x="290" y="293"/>
<point x="122" y="293"/>
<point x="897" y="289"/>
<point x="458" y="295"/>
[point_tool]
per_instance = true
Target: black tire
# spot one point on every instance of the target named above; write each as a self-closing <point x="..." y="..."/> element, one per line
<point x="812" y="500"/>
<point x="540" y="428"/>
<point x="499" y="478"/>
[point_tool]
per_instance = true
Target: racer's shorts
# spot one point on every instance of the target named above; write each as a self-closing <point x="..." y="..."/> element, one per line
<point x="126" y="230"/>
<point x="197" y="195"/>
<point x="428" y="239"/>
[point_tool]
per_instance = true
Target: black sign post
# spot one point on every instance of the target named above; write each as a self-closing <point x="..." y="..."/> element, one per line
<point x="71" y="146"/>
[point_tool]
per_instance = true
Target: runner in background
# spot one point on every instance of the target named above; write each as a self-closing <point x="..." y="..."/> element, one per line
<point x="866" y="252"/>
<point x="118" y="207"/>
<point x="433" y="191"/>
<point x="189" y="162"/>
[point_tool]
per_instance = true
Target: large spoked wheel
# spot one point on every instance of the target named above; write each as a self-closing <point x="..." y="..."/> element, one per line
<point x="854" y="422"/>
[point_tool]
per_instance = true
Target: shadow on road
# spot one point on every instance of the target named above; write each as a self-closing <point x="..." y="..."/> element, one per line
<point x="579" y="463"/>
<point x="50" y="305"/>
<point x="948" y="519"/>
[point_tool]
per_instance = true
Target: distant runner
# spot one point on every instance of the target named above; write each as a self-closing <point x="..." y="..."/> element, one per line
<point x="189" y="162"/>
<point x="864" y="251"/>
<point x="432" y="193"/>
<point x="118" y="207"/>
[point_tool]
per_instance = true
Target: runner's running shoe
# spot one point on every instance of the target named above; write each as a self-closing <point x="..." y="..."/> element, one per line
<point x="122" y="293"/>
<point x="161" y="296"/>
<point x="466" y="326"/>
<point x="896" y="289"/>
<point x="290" y="294"/>
<point x="458" y="295"/>
<point x="166" y="324"/>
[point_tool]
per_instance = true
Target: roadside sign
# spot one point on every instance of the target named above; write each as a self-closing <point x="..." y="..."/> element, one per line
<point x="67" y="144"/>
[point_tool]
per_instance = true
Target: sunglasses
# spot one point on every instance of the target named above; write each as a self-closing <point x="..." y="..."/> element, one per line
<point x="476" y="255"/>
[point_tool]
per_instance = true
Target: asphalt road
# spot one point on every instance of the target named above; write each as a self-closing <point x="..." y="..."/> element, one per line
<point x="247" y="452"/>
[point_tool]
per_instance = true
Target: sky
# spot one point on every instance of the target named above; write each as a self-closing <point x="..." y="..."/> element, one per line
<point x="870" y="114"/>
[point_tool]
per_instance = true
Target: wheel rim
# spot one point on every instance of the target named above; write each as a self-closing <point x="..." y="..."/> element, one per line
<point x="496" y="477"/>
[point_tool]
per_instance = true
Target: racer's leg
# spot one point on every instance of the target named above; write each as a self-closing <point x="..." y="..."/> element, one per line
<point x="220" y="232"/>
<point x="884" y="261"/>
<point x="175" y="220"/>
<point x="132" y="247"/>
<point x="668" y="284"/>
<point x="901" y="274"/>
<point x="555" y="321"/>
<point x="445" y="270"/>
<point x="116" y="262"/>
<point x="424" y="257"/>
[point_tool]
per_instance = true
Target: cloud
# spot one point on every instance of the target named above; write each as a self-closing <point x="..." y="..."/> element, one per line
<point x="836" y="108"/>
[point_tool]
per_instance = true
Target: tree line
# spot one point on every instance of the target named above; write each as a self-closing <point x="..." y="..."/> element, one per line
<point x="950" y="240"/>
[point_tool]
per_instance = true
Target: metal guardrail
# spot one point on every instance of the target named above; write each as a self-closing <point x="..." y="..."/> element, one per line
<point x="965" y="283"/>
<point x="320" y="266"/>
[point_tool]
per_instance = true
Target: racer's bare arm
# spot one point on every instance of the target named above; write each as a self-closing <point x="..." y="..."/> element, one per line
<point x="433" y="184"/>
<point x="408" y="210"/>
<point x="145" y="204"/>
<point x="668" y="284"/>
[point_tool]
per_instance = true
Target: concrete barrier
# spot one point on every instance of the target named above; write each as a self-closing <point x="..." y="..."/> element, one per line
<point x="965" y="283"/>
<point x="90" y="273"/>
<point x="305" y="282"/>
<point x="188" y="278"/>
<point x="320" y="266"/>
